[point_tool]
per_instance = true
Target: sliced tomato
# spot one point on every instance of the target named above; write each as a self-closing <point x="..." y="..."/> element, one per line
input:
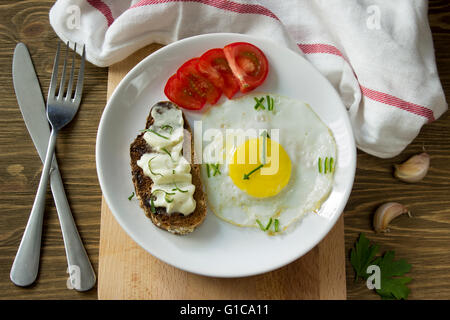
<point x="214" y="66"/>
<point x="197" y="82"/>
<point x="179" y="92"/>
<point x="248" y="63"/>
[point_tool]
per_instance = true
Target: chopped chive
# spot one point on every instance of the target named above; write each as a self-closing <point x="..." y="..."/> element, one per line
<point x="276" y="223"/>
<point x="207" y="170"/>
<point x="168" y="200"/>
<point x="166" y="151"/>
<point x="216" y="169"/>
<point x="173" y="171"/>
<point x="166" y="194"/>
<point x="265" y="133"/>
<point x="131" y="197"/>
<point x="268" y="224"/>
<point x="331" y="164"/>
<point x="326" y="166"/>
<point x="259" y="103"/>
<point x="152" y="206"/>
<point x="161" y="190"/>
<point x="154" y="132"/>
<point x="150" y="168"/>
<point x="176" y="188"/>
<point x="270" y="103"/>
<point x="247" y="176"/>
<point x="260" y="225"/>
<point x="320" y="165"/>
<point x="166" y="126"/>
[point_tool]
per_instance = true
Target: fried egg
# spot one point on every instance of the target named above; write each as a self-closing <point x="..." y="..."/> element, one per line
<point x="266" y="167"/>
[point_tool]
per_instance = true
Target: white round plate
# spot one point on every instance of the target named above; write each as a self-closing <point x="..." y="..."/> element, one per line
<point x="217" y="248"/>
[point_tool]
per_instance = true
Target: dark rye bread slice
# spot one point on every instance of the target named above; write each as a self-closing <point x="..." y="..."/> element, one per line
<point x="175" y="223"/>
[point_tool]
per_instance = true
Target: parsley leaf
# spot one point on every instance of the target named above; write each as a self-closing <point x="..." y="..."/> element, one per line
<point x="393" y="282"/>
<point x="362" y="256"/>
<point x="393" y="288"/>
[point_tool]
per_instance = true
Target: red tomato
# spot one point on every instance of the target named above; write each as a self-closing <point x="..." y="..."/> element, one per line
<point x="179" y="92"/>
<point x="214" y="66"/>
<point x="248" y="63"/>
<point x="197" y="82"/>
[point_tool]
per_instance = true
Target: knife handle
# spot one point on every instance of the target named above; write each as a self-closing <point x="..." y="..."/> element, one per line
<point x="26" y="263"/>
<point x="82" y="275"/>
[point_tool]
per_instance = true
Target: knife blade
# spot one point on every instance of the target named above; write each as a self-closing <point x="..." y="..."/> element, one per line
<point x="32" y="107"/>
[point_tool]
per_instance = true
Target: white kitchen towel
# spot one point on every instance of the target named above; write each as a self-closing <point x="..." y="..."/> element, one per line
<point x="378" y="54"/>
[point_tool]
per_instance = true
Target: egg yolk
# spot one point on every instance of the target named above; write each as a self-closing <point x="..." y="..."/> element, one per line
<point x="260" y="167"/>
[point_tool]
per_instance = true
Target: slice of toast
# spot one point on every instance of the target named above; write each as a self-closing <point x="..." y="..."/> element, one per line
<point x="176" y="223"/>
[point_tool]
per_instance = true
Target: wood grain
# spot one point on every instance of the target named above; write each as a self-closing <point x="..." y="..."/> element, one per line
<point x="422" y="240"/>
<point x="126" y="271"/>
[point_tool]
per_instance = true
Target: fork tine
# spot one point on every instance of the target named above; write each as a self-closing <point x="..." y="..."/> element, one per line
<point x="63" y="75"/>
<point x="70" y="85"/>
<point x="79" y="88"/>
<point x="53" y="81"/>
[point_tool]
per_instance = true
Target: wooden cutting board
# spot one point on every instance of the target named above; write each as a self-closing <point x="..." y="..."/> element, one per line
<point x="126" y="271"/>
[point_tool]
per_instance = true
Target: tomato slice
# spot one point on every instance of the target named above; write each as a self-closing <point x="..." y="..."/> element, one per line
<point x="214" y="66"/>
<point x="248" y="63"/>
<point x="197" y="82"/>
<point x="179" y="92"/>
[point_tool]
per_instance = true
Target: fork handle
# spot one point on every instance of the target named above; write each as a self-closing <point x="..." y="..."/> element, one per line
<point x="82" y="275"/>
<point x="26" y="263"/>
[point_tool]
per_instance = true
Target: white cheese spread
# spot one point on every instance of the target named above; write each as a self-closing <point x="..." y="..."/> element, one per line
<point x="169" y="170"/>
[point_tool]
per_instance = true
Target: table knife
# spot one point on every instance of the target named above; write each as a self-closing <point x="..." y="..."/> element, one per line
<point x="32" y="106"/>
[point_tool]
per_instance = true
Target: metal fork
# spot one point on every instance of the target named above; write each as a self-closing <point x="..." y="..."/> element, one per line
<point x="61" y="109"/>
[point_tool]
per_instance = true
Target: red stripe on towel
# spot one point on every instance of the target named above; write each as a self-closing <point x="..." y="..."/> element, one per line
<point x="104" y="9"/>
<point x="378" y="96"/>
<point x="220" y="4"/>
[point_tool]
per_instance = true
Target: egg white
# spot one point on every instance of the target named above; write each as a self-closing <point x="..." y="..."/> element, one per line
<point x="301" y="133"/>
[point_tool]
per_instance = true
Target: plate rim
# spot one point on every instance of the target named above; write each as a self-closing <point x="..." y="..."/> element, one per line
<point x="136" y="70"/>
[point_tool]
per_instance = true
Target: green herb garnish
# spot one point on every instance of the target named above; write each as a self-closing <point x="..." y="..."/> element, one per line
<point x="152" y="206"/>
<point x="326" y="165"/>
<point x="320" y="165"/>
<point x="166" y="126"/>
<point x="178" y="189"/>
<point x="131" y="197"/>
<point x="216" y="169"/>
<point x="154" y="132"/>
<point x="331" y="164"/>
<point x="259" y="103"/>
<point x="247" y="176"/>
<point x="393" y="283"/>
<point x="268" y="224"/>
<point x="166" y="151"/>
<point x="260" y="225"/>
<point x="265" y="134"/>
<point x="270" y="103"/>
<point x="150" y="168"/>
<point x="276" y="224"/>
<point x="207" y="170"/>
<point x="166" y="194"/>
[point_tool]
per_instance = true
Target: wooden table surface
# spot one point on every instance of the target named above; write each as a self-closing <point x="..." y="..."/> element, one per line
<point x="424" y="240"/>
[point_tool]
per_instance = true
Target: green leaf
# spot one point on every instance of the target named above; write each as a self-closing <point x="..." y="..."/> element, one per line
<point x="393" y="284"/>
<point x="362" y="256"/>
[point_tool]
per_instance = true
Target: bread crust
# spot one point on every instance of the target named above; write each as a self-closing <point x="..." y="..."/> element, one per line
<point x="176" y="223"/>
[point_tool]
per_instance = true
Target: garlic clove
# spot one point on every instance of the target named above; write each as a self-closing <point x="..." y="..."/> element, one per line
<point x="414" y="169"/>
<point x="386" y="213"/>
